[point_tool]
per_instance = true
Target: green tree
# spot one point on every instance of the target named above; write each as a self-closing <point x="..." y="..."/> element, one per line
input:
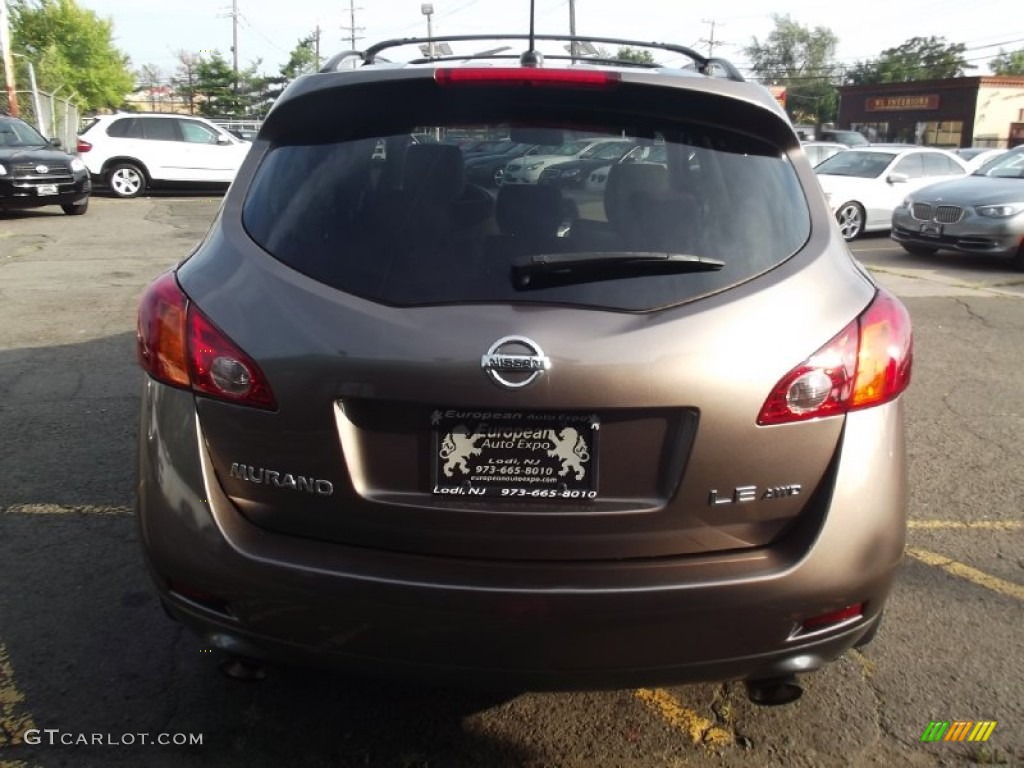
<point x="72" y="48"/>
<point x="639" y="55"/>
<point x="302" y="61"/>
<point x="1008" y="63"/>
<point x="803" y="60"/>
<point x="219" y="92"/>
<point x="919" y="58"/>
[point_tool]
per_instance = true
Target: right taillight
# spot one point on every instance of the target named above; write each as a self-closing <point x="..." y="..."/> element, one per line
<point x="179" y="346"/>
<point x="865" y="364"/>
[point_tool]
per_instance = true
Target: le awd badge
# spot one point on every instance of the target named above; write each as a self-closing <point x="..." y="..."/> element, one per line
<point x="744" y="493"/>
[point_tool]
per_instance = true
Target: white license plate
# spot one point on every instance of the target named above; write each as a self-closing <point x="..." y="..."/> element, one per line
<point x="537" y="456"/>
<point x="46" y="189"/>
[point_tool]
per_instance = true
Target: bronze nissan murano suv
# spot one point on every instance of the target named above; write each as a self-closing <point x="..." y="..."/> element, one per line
<point x="538" y="437"/>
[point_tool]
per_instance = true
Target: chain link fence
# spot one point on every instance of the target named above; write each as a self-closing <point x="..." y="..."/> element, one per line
<point x="50" y="114"/>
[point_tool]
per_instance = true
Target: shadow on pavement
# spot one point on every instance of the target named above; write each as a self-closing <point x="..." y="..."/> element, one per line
<point x="89" y="646"/>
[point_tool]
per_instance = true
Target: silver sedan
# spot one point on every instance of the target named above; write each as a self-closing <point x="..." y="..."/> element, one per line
<point x="980" y="213"/>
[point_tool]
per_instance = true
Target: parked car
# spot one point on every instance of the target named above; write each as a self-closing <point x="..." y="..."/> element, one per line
<point x="864" y="184"/>
<point x="489" y="169"/>
<point x="644" y="154"/>
<point x="528" y="170"/>
<point x="849" y="138"/>
<point x="975" y="157"/>
<point x="133" y="152"/>
<point x="574" y="173"/>
<point x="35" y="172"/>
<point x="395" y="425"/>
<point x="488" y="147"/>
<point x="818" y="151"/>
<point x="245" y="134"/>
<point x="982" y="213"/>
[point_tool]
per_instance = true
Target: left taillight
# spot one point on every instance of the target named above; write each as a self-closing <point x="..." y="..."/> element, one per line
<point x="868" y="363"/>
<point x="179" y="346"/>
<point x="82" y="145"/>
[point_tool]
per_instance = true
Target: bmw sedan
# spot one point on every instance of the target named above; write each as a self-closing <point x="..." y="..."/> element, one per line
<point x="864" y="184"/>
<point x="982" y="213"/>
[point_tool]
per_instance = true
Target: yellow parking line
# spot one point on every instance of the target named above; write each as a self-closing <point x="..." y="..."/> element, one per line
<point x="973" y="575"/>
<point x="700" y="729"/>
<point x="61" y="509"/>
<point x="951" y="525"/>
<point x="14" y="721"/>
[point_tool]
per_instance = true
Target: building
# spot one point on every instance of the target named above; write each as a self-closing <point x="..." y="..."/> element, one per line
<point x="956" y="112"/>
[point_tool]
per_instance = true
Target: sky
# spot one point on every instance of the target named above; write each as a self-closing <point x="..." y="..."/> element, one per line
<point x="152" y="31"/>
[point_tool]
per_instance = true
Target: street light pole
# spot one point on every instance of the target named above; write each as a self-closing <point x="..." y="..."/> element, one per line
<point x="427" y="9"/>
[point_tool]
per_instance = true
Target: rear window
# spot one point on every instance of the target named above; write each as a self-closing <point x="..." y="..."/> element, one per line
<point x="389" y="219"/>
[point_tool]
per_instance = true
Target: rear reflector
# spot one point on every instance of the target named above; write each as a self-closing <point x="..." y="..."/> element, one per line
<point x="199" y="596"/>
<point x="835" y="617"/>
<point x="179" y="346"/>
<point x="527" y="76"/>
<point x="868" y="363"/>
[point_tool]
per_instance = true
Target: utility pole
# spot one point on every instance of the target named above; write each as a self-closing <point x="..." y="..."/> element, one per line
<point x="352" y="28"/>
<point x="234" y="39"/>
<point x="711" y="42"/>
<point x="316" y="46"/>
<point x="5" y="43"/>
<point x="572" y="30"/>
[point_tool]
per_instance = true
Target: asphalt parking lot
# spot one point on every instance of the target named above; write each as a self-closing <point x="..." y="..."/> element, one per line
<point x="86" y="652"/>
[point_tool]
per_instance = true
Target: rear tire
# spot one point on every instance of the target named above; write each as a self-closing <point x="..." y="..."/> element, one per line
<point x="850" y="216"/>
<point x="1018" y="260"/>
<point x="918" y="250"/>
<point x="126" y="180"/>
<point x="76" y="210"/>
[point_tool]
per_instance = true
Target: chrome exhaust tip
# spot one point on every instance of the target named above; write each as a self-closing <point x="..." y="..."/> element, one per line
<point x="241" y="668"/>
<point x="774" y="691"/>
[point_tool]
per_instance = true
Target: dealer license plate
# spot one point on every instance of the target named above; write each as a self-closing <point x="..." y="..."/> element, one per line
<point x="46" y="189"/>
<point x="515" y="455"/>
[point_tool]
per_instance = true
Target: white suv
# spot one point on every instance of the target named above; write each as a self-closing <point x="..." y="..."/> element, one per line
<point x="130" y="152"/>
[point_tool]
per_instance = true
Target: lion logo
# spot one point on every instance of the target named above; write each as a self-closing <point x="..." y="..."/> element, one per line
<point x="456" y="449"/>
<point x="571" y="449"/>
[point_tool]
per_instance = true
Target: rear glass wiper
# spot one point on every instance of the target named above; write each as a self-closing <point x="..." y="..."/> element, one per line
<point x="543" y="270"/>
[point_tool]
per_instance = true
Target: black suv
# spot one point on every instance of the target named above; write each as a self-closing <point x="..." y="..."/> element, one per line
<point x="34" y="172"/>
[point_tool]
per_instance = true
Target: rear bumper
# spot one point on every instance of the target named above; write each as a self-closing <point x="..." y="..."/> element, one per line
<point x="535" y="625"/>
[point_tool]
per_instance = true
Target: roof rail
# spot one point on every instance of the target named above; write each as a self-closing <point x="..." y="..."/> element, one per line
<point x="332" y="63"/>
<point x="703" y="64"/>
